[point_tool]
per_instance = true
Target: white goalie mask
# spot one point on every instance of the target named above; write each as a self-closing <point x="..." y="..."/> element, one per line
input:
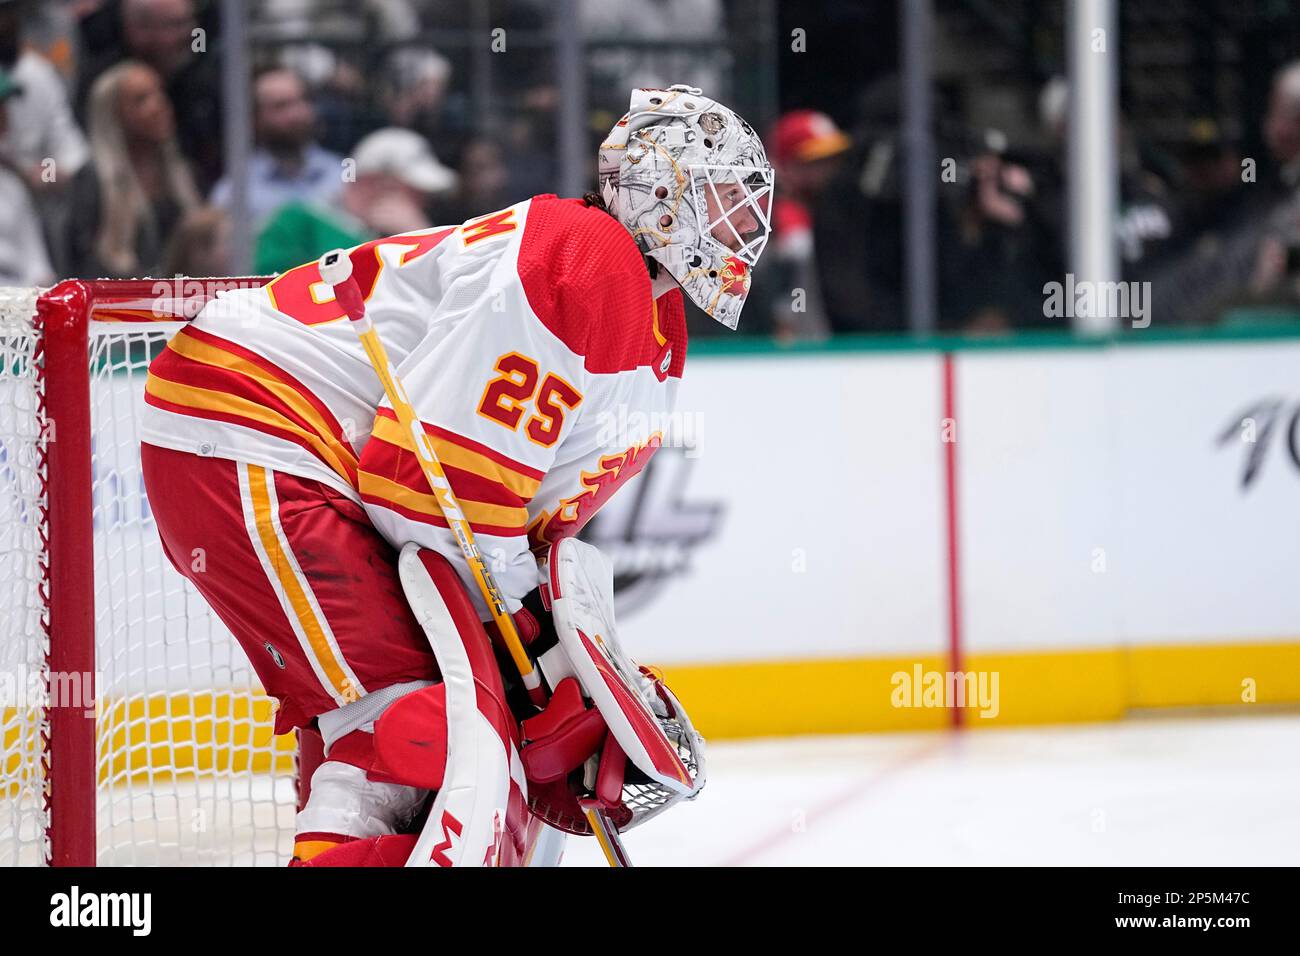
<point x="690" y="180"/>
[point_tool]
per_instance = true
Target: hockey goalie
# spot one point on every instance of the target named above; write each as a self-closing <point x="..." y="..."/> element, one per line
<point x="288" y="489"/>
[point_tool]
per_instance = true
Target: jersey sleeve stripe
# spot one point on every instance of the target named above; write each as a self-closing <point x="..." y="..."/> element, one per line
<point x="377" y="490"/>
<point x="400" y="465"/>
<point x="569" y="514"/>
<point x="222" y="406"/>
<point x="467" y="455"/>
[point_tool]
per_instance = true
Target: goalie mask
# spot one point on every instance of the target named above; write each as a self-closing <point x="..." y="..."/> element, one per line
<point x="690" y="180"/>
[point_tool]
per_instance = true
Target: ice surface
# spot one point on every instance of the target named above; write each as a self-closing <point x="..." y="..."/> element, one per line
<point x="1159" y="791"/>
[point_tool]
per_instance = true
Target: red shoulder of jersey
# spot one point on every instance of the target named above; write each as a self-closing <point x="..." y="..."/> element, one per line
<point x="586" y="281"/>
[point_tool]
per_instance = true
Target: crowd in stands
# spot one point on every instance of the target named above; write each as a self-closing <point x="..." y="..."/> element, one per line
<point x="112" y="160"/>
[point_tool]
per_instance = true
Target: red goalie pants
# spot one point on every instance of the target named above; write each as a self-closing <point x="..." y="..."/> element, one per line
<point x="296" y="571"/>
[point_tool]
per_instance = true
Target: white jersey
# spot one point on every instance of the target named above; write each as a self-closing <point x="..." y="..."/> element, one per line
<point x="526" y="339"/>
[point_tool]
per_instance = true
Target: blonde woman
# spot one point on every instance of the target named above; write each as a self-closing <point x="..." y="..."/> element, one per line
<point x="138" y="187"/>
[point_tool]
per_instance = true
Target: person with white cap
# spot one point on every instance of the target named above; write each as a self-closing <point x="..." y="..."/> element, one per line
<point x="389" y="180"/>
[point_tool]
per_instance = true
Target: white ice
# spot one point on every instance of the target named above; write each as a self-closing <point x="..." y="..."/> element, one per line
<point x="1157" y="791"/>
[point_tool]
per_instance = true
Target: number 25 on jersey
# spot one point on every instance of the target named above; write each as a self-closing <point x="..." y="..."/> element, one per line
<point x="507" y="398"/>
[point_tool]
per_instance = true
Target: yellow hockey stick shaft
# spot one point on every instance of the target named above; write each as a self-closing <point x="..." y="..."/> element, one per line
<point x="336" y="270"/>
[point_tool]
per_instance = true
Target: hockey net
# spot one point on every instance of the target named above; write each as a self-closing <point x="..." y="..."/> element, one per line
<point x="132" y="729"/>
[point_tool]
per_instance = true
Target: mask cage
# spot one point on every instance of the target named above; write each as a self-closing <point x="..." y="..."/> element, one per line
<point x="755" y="201"/>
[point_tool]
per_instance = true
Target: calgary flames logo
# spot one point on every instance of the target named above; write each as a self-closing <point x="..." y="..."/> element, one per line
<point x="734" y="276"/>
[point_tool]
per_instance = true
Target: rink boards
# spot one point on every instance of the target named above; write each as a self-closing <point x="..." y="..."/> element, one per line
<point x="1126" y="518"/>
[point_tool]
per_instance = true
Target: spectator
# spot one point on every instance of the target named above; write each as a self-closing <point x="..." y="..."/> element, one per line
<point x="995" y="252"/>
<point x="397" y="175"/>
<point x="1253" y="256"/>
<point x="1275" y="272"/>
<point x="1282" y="131"/>
<point x="169" y="36"/>
<point x="200" y="246"/>
<point x="857" y="223"/>
<point x="484" y="183"/>
<point x="414" y="87"/>
<point x="614" y="70"/>
<point x="41" y="124"/>
<point x="23" y="258"/>
<point x="340" y="93"/>
<point x="288" y="165"/>
<point x="1210" y="190"/>
<point x="316" y="39"/>
<point x="415" y="93"/>
<point x="807" y="149"/>
<point x="530" y="138"/>
<point x="1145" y="229"/>
<point x="138" y="187"/>
<point x="51" y="30"/>
<point x="43" y="140"/>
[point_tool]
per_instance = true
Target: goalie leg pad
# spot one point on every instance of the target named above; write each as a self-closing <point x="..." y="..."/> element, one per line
<point x="411" y="738"/>
<point x="479" y="815"/>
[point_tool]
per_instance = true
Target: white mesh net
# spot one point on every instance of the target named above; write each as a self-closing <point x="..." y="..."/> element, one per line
<point x="22" y="573"/>
<point x="189" y="772"/>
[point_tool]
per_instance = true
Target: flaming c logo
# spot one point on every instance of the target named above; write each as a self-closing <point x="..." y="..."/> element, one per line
<point x="734" y="276"/>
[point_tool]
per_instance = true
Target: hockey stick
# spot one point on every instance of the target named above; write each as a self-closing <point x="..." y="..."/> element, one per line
<point x="606" y="834"/>
<point x="336" y="270"/>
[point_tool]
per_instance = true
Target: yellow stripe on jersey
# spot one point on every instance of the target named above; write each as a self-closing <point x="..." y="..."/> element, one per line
<point x="476" y="512"/>
<point x="466" y="459"/>
<point x="220" y="358"/>
<point x="205" y="399"/>
<point x="654" y="323"/>
<point x="304" y="850"/>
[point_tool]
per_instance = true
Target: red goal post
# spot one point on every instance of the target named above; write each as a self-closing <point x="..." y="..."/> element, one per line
<point x="132" y="728"/>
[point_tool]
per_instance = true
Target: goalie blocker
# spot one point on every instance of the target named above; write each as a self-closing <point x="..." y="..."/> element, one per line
<point x="612" y="736"/>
